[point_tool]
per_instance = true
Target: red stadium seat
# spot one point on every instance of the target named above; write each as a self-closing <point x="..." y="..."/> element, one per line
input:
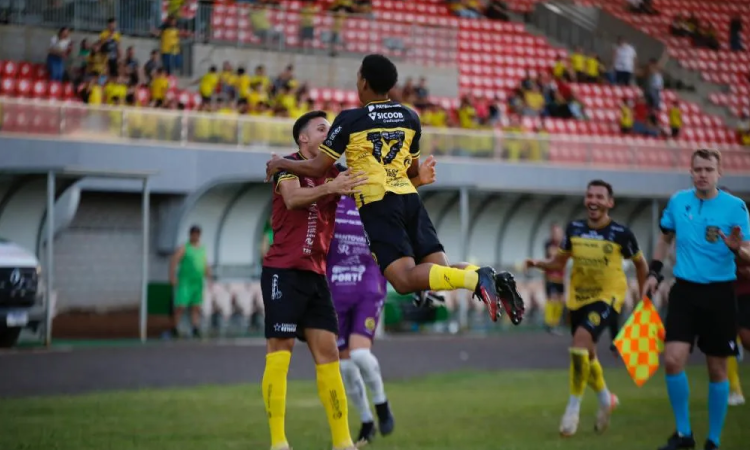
<point x="8" y="69"/>
<point x="8" y="86"/>
<point x="39" y="89"/>
<point x="25" y="70"/>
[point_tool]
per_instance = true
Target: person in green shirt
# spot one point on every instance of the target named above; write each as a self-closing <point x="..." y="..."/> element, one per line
<point x="188" y="280"/>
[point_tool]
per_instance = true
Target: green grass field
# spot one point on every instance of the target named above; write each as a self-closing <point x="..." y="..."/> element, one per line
<point x="509" y="410"/>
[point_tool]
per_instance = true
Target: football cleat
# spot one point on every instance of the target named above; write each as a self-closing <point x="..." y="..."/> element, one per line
<point x="736" y="399"/>
<point x="486" y="291"/>
<point x="366" y="433"/>
<point x="569" y="423"/>
<point x="604" y="413"/>
<point x="677" y="442"/>
<point x="509" y="296"/>
<point x="386" y="421"/>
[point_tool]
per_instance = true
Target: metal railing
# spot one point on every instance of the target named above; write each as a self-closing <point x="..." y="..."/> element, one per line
<point x="78" y="121"/>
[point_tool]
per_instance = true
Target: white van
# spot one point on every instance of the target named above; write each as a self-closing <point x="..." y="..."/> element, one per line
<point x="19" y="285"/>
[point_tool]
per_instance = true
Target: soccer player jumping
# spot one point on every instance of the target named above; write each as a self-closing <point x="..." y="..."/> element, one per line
<point x="598" y="287"/>
<point x="382" y="140"/>
<point x="711" y="229"/>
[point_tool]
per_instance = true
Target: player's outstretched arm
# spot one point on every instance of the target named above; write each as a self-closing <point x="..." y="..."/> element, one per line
<point x="313" y="168"/>
<point x="556" y="262"/>
<point x="296" y="196"/>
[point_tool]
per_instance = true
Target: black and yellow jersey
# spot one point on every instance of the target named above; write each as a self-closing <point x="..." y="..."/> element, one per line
<point x="598" y="256"/>
<point x="380" y="139"/>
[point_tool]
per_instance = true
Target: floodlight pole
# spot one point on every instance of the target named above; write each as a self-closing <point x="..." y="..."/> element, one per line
<point x="145" y="210"/>
<point x="50" y="271"/>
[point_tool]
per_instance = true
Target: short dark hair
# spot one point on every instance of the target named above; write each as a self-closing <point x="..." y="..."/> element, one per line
<point x="602" y="183"/>
<point x="380" y="73"/>
<point x="195" y="229"/>
<point x="706" y="153"/>
<point x="302" y="122"/>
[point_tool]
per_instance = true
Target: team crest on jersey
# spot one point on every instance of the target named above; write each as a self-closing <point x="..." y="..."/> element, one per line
<point x="712" y="234"/>
<point x="595" y="318"/>
<point x="370" y="324"/>
<point x="607" y="249"/>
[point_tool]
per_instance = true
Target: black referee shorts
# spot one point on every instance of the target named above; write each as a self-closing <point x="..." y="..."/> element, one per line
<point x="398" y="226"/>
<point x="295" y="300"/>
<point x="706" y="312"/>
<point x="743" y="311"/>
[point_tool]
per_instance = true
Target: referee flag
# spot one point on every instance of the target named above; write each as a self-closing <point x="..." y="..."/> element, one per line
<point x="640" y="341"/>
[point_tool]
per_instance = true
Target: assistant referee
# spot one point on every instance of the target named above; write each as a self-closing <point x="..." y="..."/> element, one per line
<point x="711" y="228"/>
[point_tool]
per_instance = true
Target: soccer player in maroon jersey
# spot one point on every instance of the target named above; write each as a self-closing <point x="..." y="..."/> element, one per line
<point x="293" y="281"/>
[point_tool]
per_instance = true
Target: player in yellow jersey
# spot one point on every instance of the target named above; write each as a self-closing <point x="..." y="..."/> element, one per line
<point x="381" y="139"/>
<point x="598" y="287"/>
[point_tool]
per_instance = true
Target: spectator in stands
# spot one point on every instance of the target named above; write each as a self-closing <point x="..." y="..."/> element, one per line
<point x="626" y="116"/>
<point x="284" y="79"/>
<point x="735" y="34"/>
<point x="76" y="66"/>
<point x="675" y="119"/>
<point x="171" y="57"/>
<point x="93" y="94"/>
<point x="207" y="85"/>
<point x="261" y="78"/>
<point x="363" y="7"/>
<point x="110" y="42"/>
<point x="654" y="85"/>
<point x="151" y="65"/>
<point x="594" y="68"/>
<point x="422" y="93"/>
<point x="623" y="62"/>
<point x="516" y="103"/>
<point x="705" y="37"/>
<point x="159" y="87"/>
<point x="578" y="64"/>
<point x="307" y="24"/>
<point x="342" y="5"/>
<point x="463" y="8"/>
<point x="228" y="80"/>
<point x="434" y="116"/>
<point x="641" y="7"/>
<point x="497" y="10"/>
<point x="467" y="114"/>
<point x="242" y="84"/>
<point x="561" y="69"/>
<point x="96" y="65"/>
<point x="558" y="107"/>
<point x="535" y="105"/>
<point x="743" y="129"/>
<point x="494" y="112"/>
<point x="680" y="27"/>
<point x="116" y="87"/>
<point x="262" y="27"/>
<point x="132" y="67"/>
<point x="644" y="121"/>
<point x="58" y="52"/>
<point x="337" y="32"/>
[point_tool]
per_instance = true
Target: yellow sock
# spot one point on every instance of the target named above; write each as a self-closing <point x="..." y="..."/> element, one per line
<point x="550" y="310"/>
<point x="596" y="376"/>
<point x="448" y="279"/>
<point x="580" y="368"/>
<point x="274" y="394"/>
<point x="733" y="373"/>
<point x="471" y="267"/>
<point x="333" y="397"/>
<point x="559" y="309"/>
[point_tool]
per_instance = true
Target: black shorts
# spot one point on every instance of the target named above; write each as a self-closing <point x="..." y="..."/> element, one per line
<point x="707" y="312"/>
<point x="398" y="226"/>
<point x="295" y="300"/>
<point x="743" y="311"/>
<point x="554" y="289"/>
<point x="594" y="317"/>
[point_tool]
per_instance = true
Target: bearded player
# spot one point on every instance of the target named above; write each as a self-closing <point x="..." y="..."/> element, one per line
<point x="382" y="139"/>
<point x="598" y="287"/>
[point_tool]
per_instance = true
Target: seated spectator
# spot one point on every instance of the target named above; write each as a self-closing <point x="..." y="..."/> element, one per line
<point x="516" y="102"/>
<point x="641" y="7"/>
<point x="594" y="68"/>
<point x="675" y="119"/>
<point x="680" y="27"/>
<point x="735" y="34"/>
<point x="693" y="24"/>
<point x="362" y="7"/>
<point x="578" y="64"/>
<point x="261" y="78"/>
<point x="626" y="116"/>
<point x="159" y="87"/>
<point x="434" y="116"/>
<point x="527" y="82"/>
<point x="462" y="8"/>
<point x="342" y="5"/>
<point x="422" y="93"/>
<point x="467" y="114"/>
<point x="131" y="68"/>
<point x="307" y="25"/>
<point x="494" y="112"/>
<point x="207" y="84"/>
<point x="743" y="129"/>
<point x="577" y="109"/>
<point x="644" y="122"/>
<point x="561" y="70"/>
<point x="534" y="100"/>
<point x="76" y="65"/>
<point x="228" y="80"/>
<point x="497" y="10"/>
<point x="97" y="62"/>
<point x="116" y="87"/>
<point x="559" y="107"/>
<point x="242" y="84"/>
<point x="151" y="65"/>
<point x="705" y="37"/>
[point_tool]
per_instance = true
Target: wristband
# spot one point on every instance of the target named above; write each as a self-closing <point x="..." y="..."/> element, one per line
<point x="655" y="267"/>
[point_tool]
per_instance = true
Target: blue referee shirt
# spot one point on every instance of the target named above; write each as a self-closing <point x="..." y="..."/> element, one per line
<point x="702" y="256"/>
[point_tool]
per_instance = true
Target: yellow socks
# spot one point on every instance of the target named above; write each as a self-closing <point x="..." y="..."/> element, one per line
<point x="559" y="308"/>
<point x="333" y="397"/>
<point x="733" y="373"/>
<point x="448" y="279"/>
<point x="274" y="394"/>
<point x="552" y="313"/>
<point x="580" y="368"/>
<point x="596" y="376"/>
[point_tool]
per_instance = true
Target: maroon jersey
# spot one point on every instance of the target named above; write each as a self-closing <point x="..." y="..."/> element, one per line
<point x="301" y="237"/>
